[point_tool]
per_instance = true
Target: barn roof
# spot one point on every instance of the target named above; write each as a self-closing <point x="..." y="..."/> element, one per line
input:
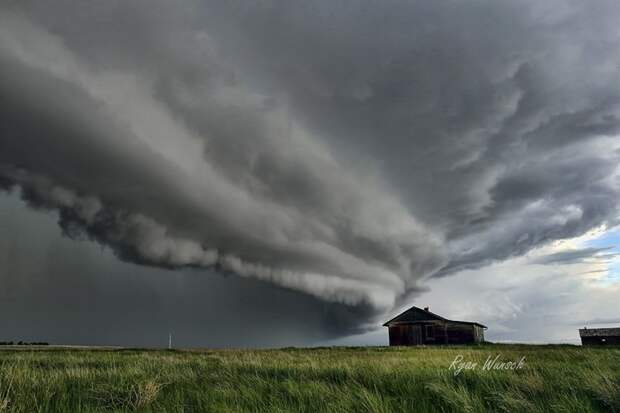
<point x="416" y="314"/>
<point x="599" y="332"/>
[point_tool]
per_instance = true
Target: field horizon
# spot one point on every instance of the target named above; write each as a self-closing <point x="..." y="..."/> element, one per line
<point x="48" y="346"/>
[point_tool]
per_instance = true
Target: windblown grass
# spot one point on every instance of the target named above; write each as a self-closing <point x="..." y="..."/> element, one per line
<point x="356" y="380"/>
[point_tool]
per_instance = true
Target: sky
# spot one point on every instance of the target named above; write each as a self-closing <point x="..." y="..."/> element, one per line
<point x="273" y="173"/>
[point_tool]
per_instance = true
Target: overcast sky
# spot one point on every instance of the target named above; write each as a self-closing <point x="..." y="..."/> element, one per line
<point x="272" y="173"/>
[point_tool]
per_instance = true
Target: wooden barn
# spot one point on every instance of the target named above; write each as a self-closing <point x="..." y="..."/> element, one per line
<point x="600" y="336"/>
<point x="418" y="326"/>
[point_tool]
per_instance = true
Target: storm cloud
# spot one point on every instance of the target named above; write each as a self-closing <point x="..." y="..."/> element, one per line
<point x="576" y="256"/>
<point x="346" y="150"/>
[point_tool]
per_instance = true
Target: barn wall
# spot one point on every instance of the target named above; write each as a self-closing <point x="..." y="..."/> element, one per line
<point x="431" y="332"/>
<point x="479" y="331"/>
<point x="461" y="333"/>
<point x="597" y="340"/>
<point x="437" y="333"/>
<point x="405" y="335"/>
<point x="434" y="333"/>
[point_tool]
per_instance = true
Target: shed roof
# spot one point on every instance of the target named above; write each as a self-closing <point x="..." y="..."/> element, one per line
<point x="416" y="314"/>
<point x="599" y="332"/>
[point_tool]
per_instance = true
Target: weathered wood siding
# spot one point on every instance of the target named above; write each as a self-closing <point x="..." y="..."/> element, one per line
<point x="434" y="332"/>
<point x="405" y="335"/>
<point x="600" y="336"/>
<point x="479" y="331"/>
<point x="600" y="341"/>
<point x="461" y="333"/>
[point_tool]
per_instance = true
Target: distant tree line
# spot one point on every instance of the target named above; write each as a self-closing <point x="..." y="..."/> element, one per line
<point x="24" y="343"/>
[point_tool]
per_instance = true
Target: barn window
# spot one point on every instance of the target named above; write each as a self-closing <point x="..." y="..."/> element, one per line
<point x="429" y="332"/>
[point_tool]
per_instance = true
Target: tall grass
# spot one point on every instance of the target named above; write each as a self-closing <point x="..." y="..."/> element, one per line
<point x="356" y="380"/>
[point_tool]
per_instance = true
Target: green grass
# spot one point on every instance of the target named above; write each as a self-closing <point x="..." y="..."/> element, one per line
<point x="356" y="380"/>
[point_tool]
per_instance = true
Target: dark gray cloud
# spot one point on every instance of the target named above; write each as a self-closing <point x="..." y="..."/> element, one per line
<point x="73" y="292"/>
<point x="346" y="150"/>
<point x="575" y="256"/>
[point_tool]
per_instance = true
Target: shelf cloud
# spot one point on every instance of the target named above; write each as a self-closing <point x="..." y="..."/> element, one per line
<point x="346" y="150"/>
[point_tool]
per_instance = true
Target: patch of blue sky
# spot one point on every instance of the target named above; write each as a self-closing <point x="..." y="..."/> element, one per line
<point x="611" y="239"/>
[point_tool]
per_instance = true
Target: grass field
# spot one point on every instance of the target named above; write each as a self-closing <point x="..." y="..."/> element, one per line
<point x="554" y="378"/>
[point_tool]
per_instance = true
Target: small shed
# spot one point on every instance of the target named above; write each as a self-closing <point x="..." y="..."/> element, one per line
<point x="600" y="336"/>
<point x="417" y="326"/>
